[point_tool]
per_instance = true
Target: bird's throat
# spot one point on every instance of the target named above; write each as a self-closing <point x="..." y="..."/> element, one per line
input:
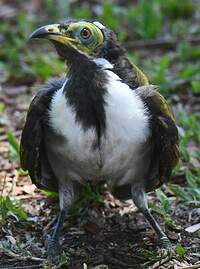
<point x="85" y="91"/>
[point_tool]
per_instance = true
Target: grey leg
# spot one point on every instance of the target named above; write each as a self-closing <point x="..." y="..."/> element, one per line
<point x="66" y="195"/>
<point x="53" y="246"/>
<point x="50" y="226"/>
<point x="140" y="200"/>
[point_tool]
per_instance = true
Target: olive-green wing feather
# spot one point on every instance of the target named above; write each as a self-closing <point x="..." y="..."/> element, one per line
<point x="140" y="77"/>
<point x="32" y="146"/>
<point x="164" y="134"/>
<point x="130" y="74"/>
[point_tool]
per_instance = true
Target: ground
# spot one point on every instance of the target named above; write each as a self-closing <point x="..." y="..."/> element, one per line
<point x="102" y="231"/>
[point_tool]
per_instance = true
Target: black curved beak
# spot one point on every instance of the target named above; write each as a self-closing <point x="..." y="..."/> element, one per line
<point x="46" y="31"/>
<point x="53" y="32"/>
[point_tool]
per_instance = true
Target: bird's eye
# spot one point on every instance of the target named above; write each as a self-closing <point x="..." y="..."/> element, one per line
<point x="85" y="33"/>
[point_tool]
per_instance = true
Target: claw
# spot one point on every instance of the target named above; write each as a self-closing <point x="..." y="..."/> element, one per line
<point x="48" y="230"/>
<point x="53" y="249"/>
<point x="166" y="248"/>
<point x="47" y="236"/>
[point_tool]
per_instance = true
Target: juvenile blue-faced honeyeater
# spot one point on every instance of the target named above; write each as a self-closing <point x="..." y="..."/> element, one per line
<point x="101" y="121"/>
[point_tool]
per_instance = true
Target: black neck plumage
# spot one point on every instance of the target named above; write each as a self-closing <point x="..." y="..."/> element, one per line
<point x="85" y="91"/>
<point x="86" y="86"/>
<point x="117" y="56"/>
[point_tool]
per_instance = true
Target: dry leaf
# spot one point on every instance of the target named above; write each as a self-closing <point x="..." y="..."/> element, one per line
<point x="11" y="239"/>
<point x="193" y="228"/>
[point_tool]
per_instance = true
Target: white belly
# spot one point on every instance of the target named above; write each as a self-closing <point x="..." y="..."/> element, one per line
<point x="119" y="157"/>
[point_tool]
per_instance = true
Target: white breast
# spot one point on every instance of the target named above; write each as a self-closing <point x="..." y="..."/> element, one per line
<point x="127" y="129"/>
<point x="127" y="122"/>
<point x="127" y="118"/>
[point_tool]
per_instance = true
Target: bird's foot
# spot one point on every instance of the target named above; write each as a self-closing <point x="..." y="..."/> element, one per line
<point x="49" y="229"/>
<point x="165" y="248"/>
<point x="53" y="249"/>
<point x="47" y="235"/>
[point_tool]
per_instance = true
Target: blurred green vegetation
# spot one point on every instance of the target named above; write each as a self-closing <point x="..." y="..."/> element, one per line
<point x="175" y="70"/>
<point x="142" y="21"/>
<point x="11" y="207"/>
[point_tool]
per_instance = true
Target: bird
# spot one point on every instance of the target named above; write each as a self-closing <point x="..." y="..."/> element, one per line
<point x="102" y="120"/>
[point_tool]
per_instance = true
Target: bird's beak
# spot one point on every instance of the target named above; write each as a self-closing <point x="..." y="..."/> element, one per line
<point x="52" y="32"/>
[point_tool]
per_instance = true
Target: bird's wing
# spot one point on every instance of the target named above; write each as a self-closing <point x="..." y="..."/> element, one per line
<point x="164" y="133"/>
<point x="32" y="147"/>
<point x="140" y="78"/>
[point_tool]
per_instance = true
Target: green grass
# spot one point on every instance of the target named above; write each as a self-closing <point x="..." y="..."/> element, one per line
<point x="158" y="71"/>
<point x="14" y="151"/>
<point x="10" y="206"/>
<point x="88" y="197"/>
<point x="165" y="208"/>
<point x="17" y="56"/>
<point x="176" y="9"/>
<point x="14" y="146"/>
<point x="189" y="194"/>
<point x="146" y="18"/>
<point x="2" y="107"/>
<point x="180" y="251"/>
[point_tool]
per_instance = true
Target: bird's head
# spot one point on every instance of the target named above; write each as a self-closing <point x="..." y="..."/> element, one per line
<point x="76" y="39"/>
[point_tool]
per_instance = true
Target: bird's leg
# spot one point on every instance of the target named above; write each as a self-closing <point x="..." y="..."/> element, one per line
<point x="49" y="228"/>
<point x="52" y="241"/>
<point x="66" y="195"/>
<point x="140" y="200"/>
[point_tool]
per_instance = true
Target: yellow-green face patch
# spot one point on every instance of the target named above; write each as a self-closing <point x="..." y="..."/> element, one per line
<point x="85" y="36"/>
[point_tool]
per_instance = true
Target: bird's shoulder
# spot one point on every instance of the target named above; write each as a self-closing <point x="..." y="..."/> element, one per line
<point x="35" y="114"/>
<point x="129" y="73"/>
<point x="42" y="99"/>
<point x="154" y="100"/>
<point x="140" y="77"/>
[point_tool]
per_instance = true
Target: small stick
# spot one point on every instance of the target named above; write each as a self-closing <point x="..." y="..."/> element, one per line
<point x="195" y="266"/>
<point x="4" y="183"/>
<point x="24" y="267"/>
<point x="159" y="263"/>
<point x="21" y="258"/>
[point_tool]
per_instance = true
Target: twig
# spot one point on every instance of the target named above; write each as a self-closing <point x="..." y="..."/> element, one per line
<point x="24" y="267"/>
<point x="48" y="226"/>
<point x="59" y="264"/>
<point x="155" y="44"/>
<point x="4" y="183"/>
<point x="14" y="180"/>
<point x="21" y="258"/>
<point x="158" y="263"/>
<point x="195" y="266"/>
